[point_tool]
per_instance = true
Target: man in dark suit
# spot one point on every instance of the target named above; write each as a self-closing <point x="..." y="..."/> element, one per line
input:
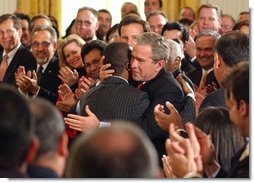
<point x="45" y="82"/>
<point x="17" y="134"/>
<point x="230" y="49"/>
<point x="113" y="98"/>
<point x="204" y="75"/>
<point x="17" y="54"/>
<point x="149" y="57"/>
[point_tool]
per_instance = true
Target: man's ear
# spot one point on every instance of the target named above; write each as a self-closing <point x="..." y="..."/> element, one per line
<point x="243" y="108"/>
<point x="160" y="64"/>
<point x="63" y="145"/>
<point x="32" y="151"/>
<point x="217" y="60"/>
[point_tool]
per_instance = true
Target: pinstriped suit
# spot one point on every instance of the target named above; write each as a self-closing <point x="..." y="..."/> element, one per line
<point x="115" y="99"/>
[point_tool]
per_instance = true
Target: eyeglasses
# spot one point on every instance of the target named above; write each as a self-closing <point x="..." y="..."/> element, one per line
<point x="43" y="44"/>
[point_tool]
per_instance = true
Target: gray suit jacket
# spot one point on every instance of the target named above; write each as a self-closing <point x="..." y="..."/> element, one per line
<point x="115" y="99"/>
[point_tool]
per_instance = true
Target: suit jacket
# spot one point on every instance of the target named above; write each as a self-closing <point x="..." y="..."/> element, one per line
<point x="196" y="76"/>
<point x="239" y="169"/>
<point x="23" y="57"/>
<point x="216" y="98"/>
<point x="187" y="66"/>
<point x="185" y="77"/>
<point x="7" y="173"/>
<point x="49" y="81"/>
<point x="164" y="87"/>
<point x="114" y="99"/>
<point x="41" y="172"/>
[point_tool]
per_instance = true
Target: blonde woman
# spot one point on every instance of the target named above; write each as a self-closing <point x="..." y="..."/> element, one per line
<point x="70" y="60"/>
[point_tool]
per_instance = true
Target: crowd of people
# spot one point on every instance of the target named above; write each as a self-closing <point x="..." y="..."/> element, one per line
<point x="147" y="98"/>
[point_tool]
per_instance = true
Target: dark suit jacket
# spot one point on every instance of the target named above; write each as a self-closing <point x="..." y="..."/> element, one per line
<point x="164" y="87"/>
<point x="196" y="75"/>
<point x="185" y="77"/>
<point x="6" y="173"/>
<point x="49" y="81"/>
<point x="239" y="169"/>
<point x="23" y="57"/>
<point x="114" y="99"/>
<point x="41" y="172"/>
<point x="187" y="66"/>
<point x="216" y="98"/>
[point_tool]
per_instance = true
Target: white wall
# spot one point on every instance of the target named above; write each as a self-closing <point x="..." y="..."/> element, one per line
<point x="7" y="6"/>
<point x="232" y="7"/>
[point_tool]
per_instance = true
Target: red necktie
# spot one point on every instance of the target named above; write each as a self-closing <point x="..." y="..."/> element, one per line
<point x="139" y="86"/>
<point x="3" y="67"/>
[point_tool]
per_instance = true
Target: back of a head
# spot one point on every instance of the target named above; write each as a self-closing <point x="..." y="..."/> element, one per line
<point x="16" y="128"/>
<point x="233" y="47"/>
<point x="49" y="125"/>
<point x="225" y="135"/>
<point x="120" y="151"/>
<point x="118" y="54"/>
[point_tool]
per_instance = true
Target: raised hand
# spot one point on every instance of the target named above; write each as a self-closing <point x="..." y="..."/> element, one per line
<point x="68" y="76"/>
<point x="67" y="98"/>
<point x="105" y="72"/>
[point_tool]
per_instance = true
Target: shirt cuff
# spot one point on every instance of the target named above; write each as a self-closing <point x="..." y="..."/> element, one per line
<point x="191" y="95"/>
<point x="104" y="124"/>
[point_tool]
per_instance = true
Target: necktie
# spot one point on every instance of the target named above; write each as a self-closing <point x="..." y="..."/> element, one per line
<point x="139" y="86"/>
<point x="3" y="67"/>
<point x="39" y="72"/>
<point x="244" y="154"/>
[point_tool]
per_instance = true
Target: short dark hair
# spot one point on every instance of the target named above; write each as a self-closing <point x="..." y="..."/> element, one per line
<point x="111" y="30"/>
<point x="24" y="16"/>
<point x="91" y="45"/>
<point x="237" y="83"/>
<point x="118" y="54"/>
<point x="133" y="19"/>
<point x="233" y="47"/>
<point x="225" y="135"/>
<point x="105" y="11"/>
<point x="17" y="127"/>
<point x="176" y="26"/>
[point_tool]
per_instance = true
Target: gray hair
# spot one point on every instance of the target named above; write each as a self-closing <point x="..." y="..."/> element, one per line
<point x="158" y="44"/>
<point x="175" y="50"/>
<point x="50" y="29"/>
<point x="210" y="33"/>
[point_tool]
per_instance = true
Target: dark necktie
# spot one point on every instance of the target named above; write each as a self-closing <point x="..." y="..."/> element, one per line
<point x="39" y="73"/>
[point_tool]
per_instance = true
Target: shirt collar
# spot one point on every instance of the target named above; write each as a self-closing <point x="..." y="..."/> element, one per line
<point x="11" y="53"/>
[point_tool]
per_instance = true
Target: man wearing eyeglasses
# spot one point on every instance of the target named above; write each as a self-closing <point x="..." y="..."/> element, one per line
<point x="43" y="80"/>
<point x="12" y="53"/>
<point x="86" y="23"/>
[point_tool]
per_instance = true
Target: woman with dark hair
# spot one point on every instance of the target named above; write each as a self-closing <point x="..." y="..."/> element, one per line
<point x="226" y="138"/>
